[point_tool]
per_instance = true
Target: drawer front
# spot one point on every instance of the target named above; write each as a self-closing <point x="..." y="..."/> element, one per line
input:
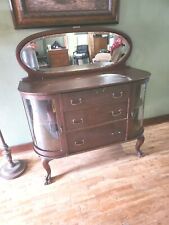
<point x="99" y="115"/>
<point x="96" y="96"/>
<point x="96" y="137"/>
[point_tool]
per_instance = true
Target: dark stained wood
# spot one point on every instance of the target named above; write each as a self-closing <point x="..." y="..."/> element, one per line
<point x="45" y="163"/>
<point x="97" y="43"/>
<point x="84" y="109"/>
<point x="31" y="14"/>
<point x="95" y="137"/>
<point x="147" y="122"/>
<point x="86" y="118"/>
<point x="139" y="143"/>
<point x="90" y="80"/>
<point x="104" y="129"/>
<point x="58" y="57"/>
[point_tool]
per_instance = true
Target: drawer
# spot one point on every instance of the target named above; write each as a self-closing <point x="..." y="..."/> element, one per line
<point x="97" y="96"/>
<point x="98" y="115"/>
<point x="96" y="137"/>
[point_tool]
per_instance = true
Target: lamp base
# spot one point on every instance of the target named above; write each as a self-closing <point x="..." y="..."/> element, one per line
<point x="8" y="171"/>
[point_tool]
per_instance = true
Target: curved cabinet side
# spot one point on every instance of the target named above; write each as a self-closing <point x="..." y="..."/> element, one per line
<point x="136" y="114"/>
<point x="43" y="114"/>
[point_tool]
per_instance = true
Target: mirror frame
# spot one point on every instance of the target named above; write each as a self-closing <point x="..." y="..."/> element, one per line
<point x="40" y="74"/>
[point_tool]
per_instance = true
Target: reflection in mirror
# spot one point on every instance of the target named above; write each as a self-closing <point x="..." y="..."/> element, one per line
<point x="74" y="49"/>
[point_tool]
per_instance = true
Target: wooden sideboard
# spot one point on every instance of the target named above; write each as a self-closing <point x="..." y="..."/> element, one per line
<point x="77" y="108"/>
<point x="96" y="111"/>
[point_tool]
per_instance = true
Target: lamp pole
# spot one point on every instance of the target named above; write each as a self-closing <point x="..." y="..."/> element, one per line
<point x="10" y="169"/>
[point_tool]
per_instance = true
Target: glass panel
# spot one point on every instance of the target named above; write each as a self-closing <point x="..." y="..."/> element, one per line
<point x="138" y="111"/>
<point x="43" y="124"/>
<point x="74" y="50"/>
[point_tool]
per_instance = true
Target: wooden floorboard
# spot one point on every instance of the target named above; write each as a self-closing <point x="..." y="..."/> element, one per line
<point x="109" y="186"/>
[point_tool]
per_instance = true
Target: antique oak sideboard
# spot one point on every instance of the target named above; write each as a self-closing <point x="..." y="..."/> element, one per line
<point x="77" y="108"/>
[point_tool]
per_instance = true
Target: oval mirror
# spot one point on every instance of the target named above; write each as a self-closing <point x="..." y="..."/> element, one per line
<point x="49" y="52"/>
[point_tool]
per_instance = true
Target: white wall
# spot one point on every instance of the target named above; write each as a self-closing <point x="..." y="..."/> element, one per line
<point x="13" y="122"/>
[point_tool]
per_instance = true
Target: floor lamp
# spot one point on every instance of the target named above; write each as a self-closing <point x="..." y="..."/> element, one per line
<point x="11" y="168"/>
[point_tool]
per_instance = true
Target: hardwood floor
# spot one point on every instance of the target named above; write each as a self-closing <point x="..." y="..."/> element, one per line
<point x="110" y="187"/>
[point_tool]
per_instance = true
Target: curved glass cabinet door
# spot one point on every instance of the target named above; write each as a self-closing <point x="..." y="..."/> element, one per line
<point x="139" y="107"/>
<point x="42" y="118"/>
<point x="137" y="110"/>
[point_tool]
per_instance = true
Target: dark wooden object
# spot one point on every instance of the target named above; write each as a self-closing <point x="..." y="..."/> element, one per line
<point x="82" y="110"/>
<point x="42" y="13"/>
<point x="11" y="169"/>
<point x="58" y="57"/>
<point x="97" y="43"/>
<point x="67" y="120"/>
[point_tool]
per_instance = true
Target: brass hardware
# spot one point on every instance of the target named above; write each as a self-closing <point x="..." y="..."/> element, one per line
<point x="132" y="114"/>
<point x="103" y="90"/>
<point x="117" y="96"/>
<point x="61" y="129"/>
<point x="79" y="143"/>
<point x="115" y="114"/>
<point x="116" y="133"/>
<point x="76" y="121"/>
<point x="76" y="102"/>
<point x="99" y="91"/>
<point x="53" y="106"/>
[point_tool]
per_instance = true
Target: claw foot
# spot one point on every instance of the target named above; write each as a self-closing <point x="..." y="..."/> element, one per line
<point x="140" y="141"/>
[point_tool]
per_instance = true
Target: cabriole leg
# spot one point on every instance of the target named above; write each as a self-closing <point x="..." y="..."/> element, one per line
<point x="46" y="166"/>
<point x="139" y="142"/>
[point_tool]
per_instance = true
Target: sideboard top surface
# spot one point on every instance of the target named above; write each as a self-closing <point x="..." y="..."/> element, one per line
<point x="76" y="82"/>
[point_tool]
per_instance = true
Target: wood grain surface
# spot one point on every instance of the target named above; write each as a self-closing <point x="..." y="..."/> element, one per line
<point x="109" y="186"/>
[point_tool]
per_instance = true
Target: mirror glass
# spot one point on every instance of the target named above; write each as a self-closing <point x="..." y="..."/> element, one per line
<point x="53" y="52"/>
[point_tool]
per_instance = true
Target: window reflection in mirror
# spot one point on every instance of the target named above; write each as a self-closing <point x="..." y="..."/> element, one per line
<point x="74" y="49"/>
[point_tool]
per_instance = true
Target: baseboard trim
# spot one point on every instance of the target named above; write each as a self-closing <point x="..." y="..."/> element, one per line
<point x="147" y="122"/>
<point x="156" y="120"/>
<point x="20" y="148"/>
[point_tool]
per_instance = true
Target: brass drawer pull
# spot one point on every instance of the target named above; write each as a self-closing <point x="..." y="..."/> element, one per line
<point x="116" y="133"/>
<point x="118" y="113"/>
<point x="60" y="129"/>
<point x="79" y="143"/>
<point x="117" y="96"/>
<point x="100" y="91"/>
<point x="76" y="102"/>
<point x="76" y="121"/>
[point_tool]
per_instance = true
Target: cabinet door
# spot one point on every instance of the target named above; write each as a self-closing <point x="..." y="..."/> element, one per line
<point x="43" y="118"/>
<point x="136" y="114"/>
